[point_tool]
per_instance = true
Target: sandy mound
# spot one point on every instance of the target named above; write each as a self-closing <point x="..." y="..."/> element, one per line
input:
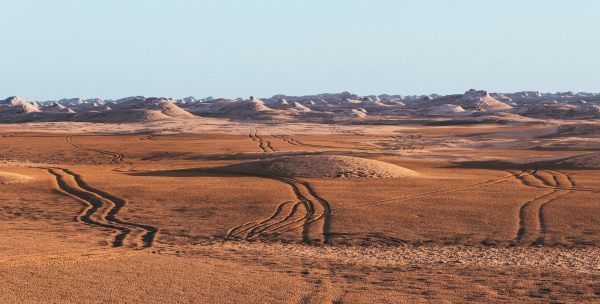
<point x="316" y="166"/>
<point x="12" y="178"/>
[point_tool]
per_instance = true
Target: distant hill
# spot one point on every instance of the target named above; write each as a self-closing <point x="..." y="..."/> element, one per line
<point x="474" y="105"/>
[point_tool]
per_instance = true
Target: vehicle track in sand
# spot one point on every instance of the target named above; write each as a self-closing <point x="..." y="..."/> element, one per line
<point x="533" y="223"/>
<point x="567" y="183"/>
<point x="407" y="143"/>
<point x="250" y="227"/>
<point x="263" y="144"/>
<point x="290" y="140"/>
<point x="116" y="157"/>
<point x="287" y="139"/>
<point x="402" y="199"/>
<point x="278" y="224"/>
<point x="288" y="217"/>
<point x="101" y="209"/>
<point x="149" y="232"/>
<point x="92" y="212"/>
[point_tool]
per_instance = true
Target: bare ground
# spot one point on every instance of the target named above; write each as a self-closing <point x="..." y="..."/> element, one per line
<point x="150" y="214"/>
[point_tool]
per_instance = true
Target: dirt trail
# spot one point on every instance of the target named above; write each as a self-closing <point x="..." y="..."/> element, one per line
<point x="101" y="209"/>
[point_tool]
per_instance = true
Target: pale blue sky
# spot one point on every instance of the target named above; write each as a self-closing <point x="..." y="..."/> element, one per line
<point x="177" y="48"/>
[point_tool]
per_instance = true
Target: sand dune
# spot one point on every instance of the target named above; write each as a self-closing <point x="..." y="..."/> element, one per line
<point x="319" y="166"/>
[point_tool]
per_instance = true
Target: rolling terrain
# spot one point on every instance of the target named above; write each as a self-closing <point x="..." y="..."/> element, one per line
<point x="215" y="210"/>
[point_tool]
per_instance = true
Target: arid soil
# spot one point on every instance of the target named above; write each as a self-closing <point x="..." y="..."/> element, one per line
<point x="220" y="211"/>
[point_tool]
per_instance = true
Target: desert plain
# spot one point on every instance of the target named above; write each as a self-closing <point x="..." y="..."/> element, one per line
<point x="221" y="210"/>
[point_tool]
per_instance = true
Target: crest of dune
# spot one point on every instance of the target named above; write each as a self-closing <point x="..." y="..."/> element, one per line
<point x="324" y="166"/>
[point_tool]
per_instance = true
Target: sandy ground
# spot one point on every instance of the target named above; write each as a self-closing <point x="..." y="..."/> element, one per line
<point x="159" y="213"/>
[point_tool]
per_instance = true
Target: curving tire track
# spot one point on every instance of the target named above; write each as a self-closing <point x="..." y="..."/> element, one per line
<point x="489" y="182"/>
<point x="315" y="209"/>
<point x="533" y="226"/>
<point x="101" y="209"/>
<point x="286" y="139"/>
<point x="569" y="178"/>
<point x="89" y="215"/>
<point x="546" y="178"/>
<point x="115" y="157"/>
<point x="149" y="232"/>
<point x="290" y="140"/>
<point x="529" y="223"/>
<point x="278" y="225"/>
<point x="326" y="214"/>
<point x="250" y="226"/>
<point x="542" y="218"/>
<point x="263" y="144"/>
<point x="561" y="181"/>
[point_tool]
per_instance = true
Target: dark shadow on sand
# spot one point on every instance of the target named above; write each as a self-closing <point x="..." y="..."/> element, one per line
<point x="550" y="164"/>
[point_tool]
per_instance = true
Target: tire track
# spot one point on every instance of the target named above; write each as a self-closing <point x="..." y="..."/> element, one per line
<point x="543" y="219"/>
<point x="542" y="176"/>
<point x="236" y="231"/>
<point x="489" y="182"/>
<point x="149" y="232"/>
<point x="533" y="226"/>
<point x="290" y="222"/>
<point x="408" y="143"/>
<point x="275" y="214"/>
<point x="326" y="215"/>
<point x="288" y="140"/>
<point x="316" y="209"/>
<point x="101" y="209"/>
<point x="89" y="215"/>
<point x="562" y="180"/>
<point x="529" y="224"/>
<point x="116" y="157"/>
<point x="569" y="178"/>
<point x="567" y="183"/>
<point x="279" y="224"/>
<point x="263" y="144"/>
